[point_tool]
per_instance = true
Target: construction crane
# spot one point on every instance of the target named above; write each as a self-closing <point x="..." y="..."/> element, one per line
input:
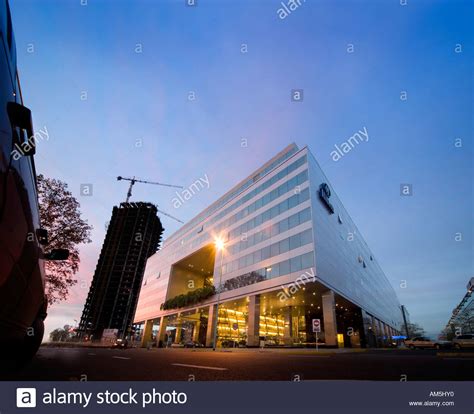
<point x="134" y="180"/>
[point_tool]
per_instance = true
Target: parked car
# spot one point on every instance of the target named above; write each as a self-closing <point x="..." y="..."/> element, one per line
<point x="420" y="342"/>
<point x="120" y="344"/>
<point x="464" y="341"/>
<point x="193" y="344"/>
<point x="23" y="303"/>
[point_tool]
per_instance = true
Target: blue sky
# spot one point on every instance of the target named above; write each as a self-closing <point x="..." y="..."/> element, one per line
<point x="137" y="118"/>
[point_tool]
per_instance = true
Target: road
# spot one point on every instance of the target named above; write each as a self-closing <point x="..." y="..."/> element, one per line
<point x="96" y="364"/>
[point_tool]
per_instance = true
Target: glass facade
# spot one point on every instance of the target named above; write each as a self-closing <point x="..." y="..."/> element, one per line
<point x="283" y="246"/>
<point x="285" y="267"/>
<point x="259" y="189"/>
<point x="276" y="229"/>
<point x="344" y="260"/>
<point x="271" y="231"/>
<point x="298" y="197"/>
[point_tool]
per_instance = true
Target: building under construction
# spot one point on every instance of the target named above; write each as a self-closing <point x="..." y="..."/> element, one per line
<point x="133" y="235"/>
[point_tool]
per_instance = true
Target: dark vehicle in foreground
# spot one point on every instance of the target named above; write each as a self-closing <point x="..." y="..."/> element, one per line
<point x="22" y="299"/>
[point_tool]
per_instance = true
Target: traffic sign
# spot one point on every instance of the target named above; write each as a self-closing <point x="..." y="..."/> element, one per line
<point x="316" y="325"/>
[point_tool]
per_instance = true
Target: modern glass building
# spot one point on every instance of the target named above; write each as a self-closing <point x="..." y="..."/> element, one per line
<point x="462" y="318"/>
<point x="291" y="254"/>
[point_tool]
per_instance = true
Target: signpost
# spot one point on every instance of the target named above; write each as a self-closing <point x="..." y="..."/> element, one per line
<point x="316" y="329"/>
<point x="235" y="326"/>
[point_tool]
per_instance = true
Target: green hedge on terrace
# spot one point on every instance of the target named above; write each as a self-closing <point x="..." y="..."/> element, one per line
<point x="190" y="298"/>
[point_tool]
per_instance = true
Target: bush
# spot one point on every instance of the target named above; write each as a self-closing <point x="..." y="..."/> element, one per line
<point x="190" y="298"/>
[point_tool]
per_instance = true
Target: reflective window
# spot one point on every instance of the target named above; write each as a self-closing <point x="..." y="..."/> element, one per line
<point x="284" y="246"/>
<point x="293" y="220"/>
<point x="285" y="267"/>
<point x="295" y="241"/>
<point x="295" y="264"/>
<point x="306" y="237"/>
<point x="266" y="184"/>
<point x="274" y="249"/>
<point x="307" y="260"/>
<point x="305" y="215"/>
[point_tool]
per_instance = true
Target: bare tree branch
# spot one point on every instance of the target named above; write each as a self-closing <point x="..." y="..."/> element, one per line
<point x="61" y="216"/>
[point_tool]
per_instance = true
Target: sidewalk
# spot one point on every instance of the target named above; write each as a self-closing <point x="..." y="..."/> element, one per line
<point x="290" y="351"/>
<point x="76" y="345"/>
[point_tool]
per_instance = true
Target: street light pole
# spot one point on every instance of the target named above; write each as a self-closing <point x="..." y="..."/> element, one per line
<point x="220" y="247"/>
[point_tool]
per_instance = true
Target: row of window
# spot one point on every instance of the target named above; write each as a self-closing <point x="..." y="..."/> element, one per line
<point x="271" y="213"/>
<point x="271" y="231"/>
<point x="283" y="173"/>
<point x="272" y="250"/>
<point x="267" y="198"/>
<point x="251" y="194"/>
<point x="295" y="264"/>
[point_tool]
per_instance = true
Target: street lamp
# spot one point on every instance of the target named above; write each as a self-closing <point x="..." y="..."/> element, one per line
<point x="220" y="245"/>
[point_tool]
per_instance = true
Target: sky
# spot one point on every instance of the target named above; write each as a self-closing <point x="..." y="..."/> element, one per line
<point x="171" y="93"/>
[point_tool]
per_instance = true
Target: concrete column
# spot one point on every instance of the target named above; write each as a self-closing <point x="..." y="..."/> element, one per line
<point x="374" y="330"/>
<point x="210" y="326"/>
<point x="147" y="331"/>
<point x="161" y="332"/>
<point x="387" y="334"/>
<point x="288" y="329"/>
<point x="177" y="338"/>
<point x="253" y="325"/>
<point x="384" y="333"/>
<point x="329" y="318"/>
<point x="197" y="326"/>
<point x="380" y="333"/>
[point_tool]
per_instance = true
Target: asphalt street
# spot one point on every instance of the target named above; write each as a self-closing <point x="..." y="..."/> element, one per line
<point x="96" y="364"/>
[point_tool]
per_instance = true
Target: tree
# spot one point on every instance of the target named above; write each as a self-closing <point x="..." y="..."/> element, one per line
<point x="62" y="334"/>
<point x="60" y="215"/>
<point x="415" y="330"/>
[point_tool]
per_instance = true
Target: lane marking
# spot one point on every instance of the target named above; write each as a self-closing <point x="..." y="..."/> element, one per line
<point x="200" y="367"/>
<point x="117" y="357"/>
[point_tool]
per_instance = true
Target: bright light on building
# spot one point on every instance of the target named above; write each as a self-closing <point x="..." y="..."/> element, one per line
<point x="219" y="243"/>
